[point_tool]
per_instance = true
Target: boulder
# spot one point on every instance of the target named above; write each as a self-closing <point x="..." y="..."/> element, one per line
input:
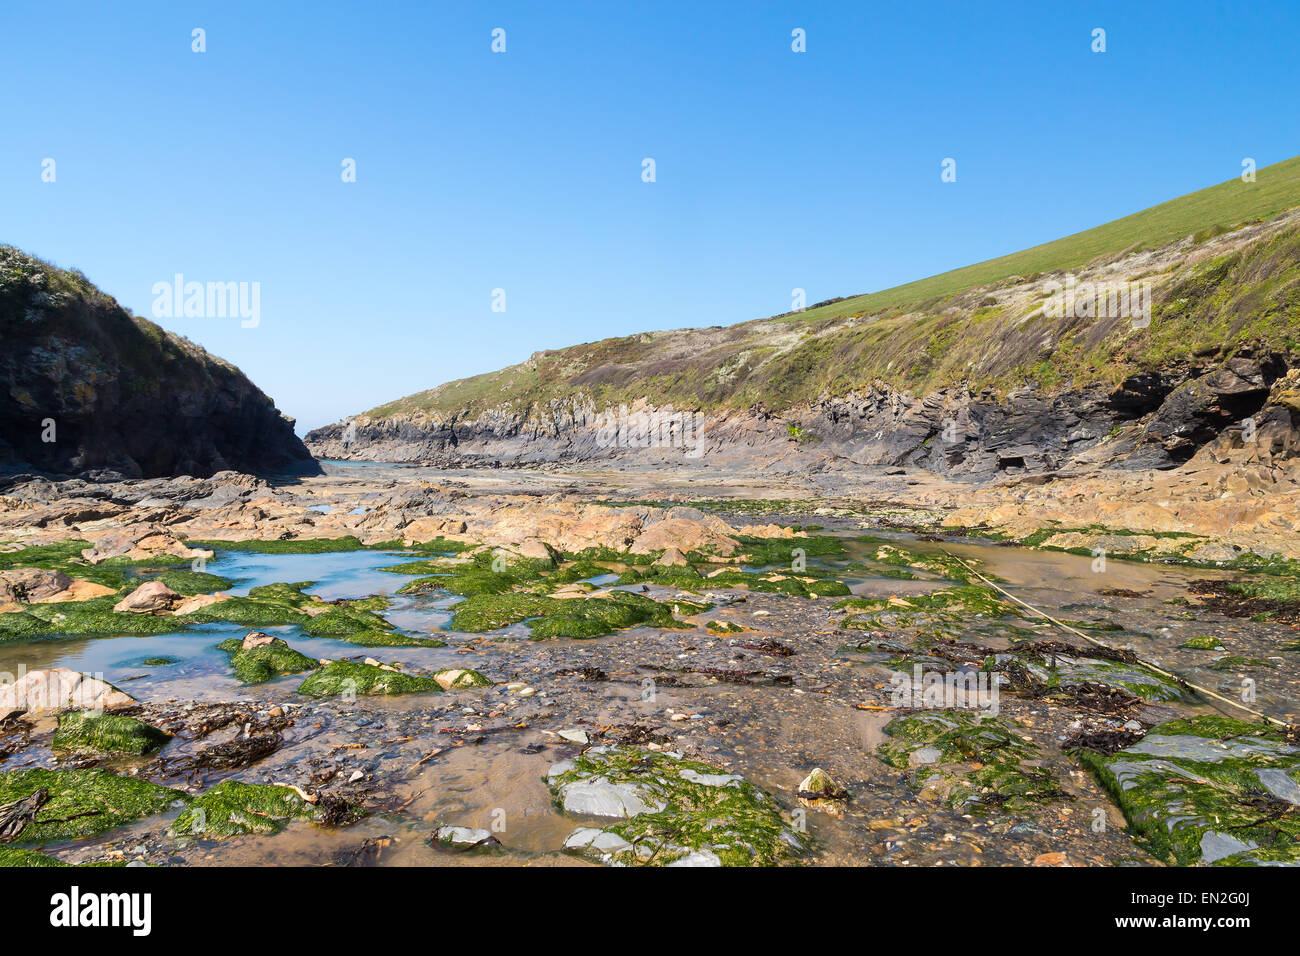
<point x="59" y="689"/>
<point x="256" y="639"/>
<point x="534" y="548"/>
<point x="152" y="597"/>
<point x="465" y="838"/>
<point x="140" y="542"/>
<point x="460" y="677"/>
<point x="683" y="534"/>
<point x="192" y="604"/>
<point x="820" y="784"/>
<point x="32" y="585"/>
<point x="672" y="558"/>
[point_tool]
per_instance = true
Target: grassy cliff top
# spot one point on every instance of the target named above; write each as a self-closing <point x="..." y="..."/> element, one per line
<point x="42" y="301"/>
<point x="1222" y="262"/>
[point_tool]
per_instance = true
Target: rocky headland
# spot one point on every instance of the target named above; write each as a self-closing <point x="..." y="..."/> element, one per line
<point x="86" y="387"/>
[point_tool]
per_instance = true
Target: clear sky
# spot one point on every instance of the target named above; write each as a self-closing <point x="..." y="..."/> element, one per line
<point x="522" y="170"/>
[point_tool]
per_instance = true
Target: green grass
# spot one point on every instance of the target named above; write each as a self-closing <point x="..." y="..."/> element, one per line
<point x="1202" y="214"/>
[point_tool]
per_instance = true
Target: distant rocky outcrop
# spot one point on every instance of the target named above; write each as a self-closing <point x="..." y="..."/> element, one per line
<point x="86" y="387"/>
<point x="1158" y="419"/>
<point x="1160" y="353"/>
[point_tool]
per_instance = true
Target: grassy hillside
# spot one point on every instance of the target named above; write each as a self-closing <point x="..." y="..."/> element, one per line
<point x="1220" y="279"/>
<point x="1222" y="207"/>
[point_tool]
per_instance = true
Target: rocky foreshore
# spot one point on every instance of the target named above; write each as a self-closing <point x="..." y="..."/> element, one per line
<point x="558" y="677"/>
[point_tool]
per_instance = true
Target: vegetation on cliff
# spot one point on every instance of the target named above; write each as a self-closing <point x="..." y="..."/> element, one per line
<point x="119" y="391"/>
<point x="1222" y="274"/>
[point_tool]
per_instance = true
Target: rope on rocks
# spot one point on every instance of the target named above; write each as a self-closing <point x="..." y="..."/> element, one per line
<point x="1213" y="695"/>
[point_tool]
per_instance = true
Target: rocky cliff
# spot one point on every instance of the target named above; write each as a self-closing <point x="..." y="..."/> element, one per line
<point x="84" y="386"/>
<point x="1158" y="353"/>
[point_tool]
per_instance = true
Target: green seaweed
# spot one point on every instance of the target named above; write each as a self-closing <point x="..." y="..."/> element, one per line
<point x="66" y="556"/>
<point x="16" y="857"/>
<point x="286" y="546"/>
<point x="83" y="802"/>
<point x="684" y="577"/>
<point x="1000" y="775"/>
<point x="194" y="582"/>
<point x="800" y="584"/>
<point x="1193" y="789"/>
<point x="257" y="665"/>
<point x="92" y="618"/>
<point x="694" y="808"/>
<point x="388" y="639"/>
<point x="461" y="678"/>
<point x="275" y="605"/>
<point x="354" y="679"/>
<point x="82" y="731"/>
<point x="568" y="617"/>
<point x="234" y="808"/>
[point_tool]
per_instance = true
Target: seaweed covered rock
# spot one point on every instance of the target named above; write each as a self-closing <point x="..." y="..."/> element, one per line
<point x="978" y="763"/>
<point x="83" y="732"/>
<point x="954" y="606"/>
<point x="259" y="658"/>
<point x="1132" y="677"/>
<point x="458" y="678"/>
<point x="671" y="811"/>
<point x="1209" y="789"/>
<point x="152" y="597"/>
<point x="93" y="617"/>
<point x="804" y="584"/>
<point x="464" y="839"/>
<point x="233" y="808"/>
<point x="65" y="804"/>
<point x="485" y="572"/>
<point x="274" y="605"/>
<point x="388" y="639"/>
<point x="18" y="857"/>
<point x="819" y="791"/>
<point x="191" y="583"/>
<point x="353" y="679"/>
<point x="549" y="617"/>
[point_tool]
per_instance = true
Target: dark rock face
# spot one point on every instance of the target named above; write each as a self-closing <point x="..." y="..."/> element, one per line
<point x="86" y="387"/>
<point x="1198" y="409"/>
<point x="1157" y="419"/>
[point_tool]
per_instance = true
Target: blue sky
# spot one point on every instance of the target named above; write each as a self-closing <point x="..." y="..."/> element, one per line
<point x="522" y="170"/>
